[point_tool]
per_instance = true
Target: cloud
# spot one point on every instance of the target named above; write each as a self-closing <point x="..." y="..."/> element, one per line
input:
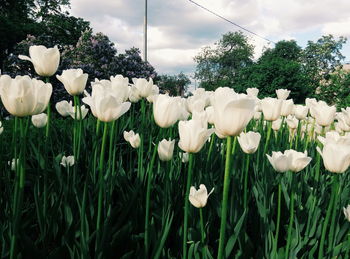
<point x="178" y="29"/>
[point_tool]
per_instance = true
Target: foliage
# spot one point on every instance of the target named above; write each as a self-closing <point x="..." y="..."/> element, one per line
<point x="277" y="68"/>
<point x="218" y="66"/>
<point x="173" y="84"/>
<point x="321" y="58"/>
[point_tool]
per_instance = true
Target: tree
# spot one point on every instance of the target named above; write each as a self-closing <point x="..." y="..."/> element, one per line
<point x="174" y="85"/>
<point x="321" y="58"/>
<point x="278" y="67"/>
<point x="218" y="66"/>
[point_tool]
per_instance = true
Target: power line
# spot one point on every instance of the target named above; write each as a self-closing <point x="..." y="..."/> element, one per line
<point x="227" y="20"/>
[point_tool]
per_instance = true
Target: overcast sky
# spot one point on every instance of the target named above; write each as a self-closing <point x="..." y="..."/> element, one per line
<point x="178" y="29"/>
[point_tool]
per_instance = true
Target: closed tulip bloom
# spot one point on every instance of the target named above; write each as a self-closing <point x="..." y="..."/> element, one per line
<point x="67" y="161"/>
<point x="297" y="160"/>
<point x="324" y="114"/>
<point x="232" y="111"/>
<point x="64" y="108"/>
<point x="292" y="122"/>
<point x="104" y="103"/>
<point x="210" y="114"/>
<point x="193" y="135"/>
<point x="154" y="93"/>
<point x="120" y="84"/>
<point x="282" y="94"/>
<point x="45" y="60"/>
<point x="165" y="111"/>
<point x="336" y="156"/>
<point x="271" y="108"/>
<point x="276" y="125"/>
<point x="144" y="87"/>
<point x="134" y="95"/>
<point x="346" y="115"/>
<point x="23" y="96"/>
<point x="249" y="141"/>
<point x="347" y="212"/>
<point x="198" y="198"/>
<point x="287" y="107"/>
<point x="73" y="80"/>
<point x="252" y="92"/>
<point x="300" y="111"/>
<point x="166" y="149"/>
<point x="39" y="120"/>
<point x="279" y="161"/>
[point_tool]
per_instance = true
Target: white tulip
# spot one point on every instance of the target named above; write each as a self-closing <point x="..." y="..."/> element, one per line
<point x="39" y="120"/>
<point x="249" y="141"/>
<point x="287" y="107"/>
<point x="144" y="87"/>
<point x="45" y="60"/>
<point x="166" y="149"/>
<point x="199" y="198"/>
<point x="323" y="113"/>
<point x="252" y="92"/>
<point x="300" y="111"/>
<point x="184" y="157"/>
<point x="132" y="138"/>
<point x="73" y="80"/>
<point x="67" y="161"/>
<point x="347" y="212"/>
<point x="120" y="84"/>
<point x="282" y="94"/>
<point x="165" y="111"/>
<point x="64" y="108"/>
<point x="271" y="108"/>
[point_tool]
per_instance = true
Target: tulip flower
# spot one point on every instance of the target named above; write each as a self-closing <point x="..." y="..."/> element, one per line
<point x="165" y="111"/>
<point x="39" y="120"/>
<point x="166" y="149"/>
<point x="23" y="96"/>
<point x="252" y="92"/>
<point x="13" y="163"/>
<point x="184" y="157"/>
<point x="73" y="80"/>
<point x="249" y="141"/>
<point x="105" y="104"/>
<point x="84" y="112"/>
<point x="292" y="122"/>
<point x="232" y="112"/>
<point x="276" y="124"/>
<point x="64" y="108"/>
<point x="323" y="113"/>
<point x="287" y="107"/>
<point x="300" y="111"/>
<point x="132" y="138"/>
<point x="144" y="88"/>
<point x="121" y="85"/>
<point x="67" y="161"/>
<point x="347" y="212"/>
<point x="193" y="135"/>
<point x="336" y="156"/>
<point x="154" y="93"/>
<point x="282" y="94"/>
<point x="291" y="160"/>
<point x="45" y="60"/>
<point x="271" y="108"/>
<point x="199" y="198"/>
<point x="1" y="128"/>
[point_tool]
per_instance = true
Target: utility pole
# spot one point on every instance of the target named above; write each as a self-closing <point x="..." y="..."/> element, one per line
<point x="145" y="34"/>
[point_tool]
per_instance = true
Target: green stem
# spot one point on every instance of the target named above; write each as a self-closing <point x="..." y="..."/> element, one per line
<point x="188" y="185"/>
<point x="101" y="184"/>
<point x="245" y="197"/>
<point x="291" y="218"/>
<point x="328" y="214"/>
<point x="202" y="231"/>
<point x="148" y="199"/>
<point x="269" y="125"/>
<point x="225" y="198"/>
<point x="277" y="221"/>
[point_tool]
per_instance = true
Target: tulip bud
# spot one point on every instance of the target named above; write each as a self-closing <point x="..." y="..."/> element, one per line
<point x="165" y="111"/>
<point x="184" y="157"/>
<point x="67" y="161"/>
<point x="39" y="120"/>
<point x="249" y="141"/>
<point x="13" y="163"/>
<point x="199" y="198"/>
<point x="45" y="60"/>
<point x="64" y="108"/>
<point x="300" y="111"/>
<point x="73" y="80"/>
<point x="132" y="138"/>
<point x="166" y="149"/>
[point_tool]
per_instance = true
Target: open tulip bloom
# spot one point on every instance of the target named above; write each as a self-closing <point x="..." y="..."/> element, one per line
<point x="73" y="80"/>
<point x="290" y="160"/>
<point x="45" y="60"/>
<point x="199" y="198"/>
